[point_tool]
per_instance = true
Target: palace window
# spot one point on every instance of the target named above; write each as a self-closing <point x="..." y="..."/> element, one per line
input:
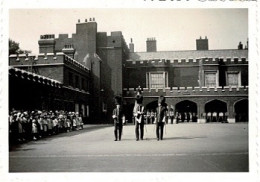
<point x="233" y="78"/>
<point x="211" y="78"/>
<point x="157" y="80"/>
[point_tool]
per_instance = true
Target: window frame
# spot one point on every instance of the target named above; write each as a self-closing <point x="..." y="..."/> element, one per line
<point x="234" y="72"/>
<point x="211" y="71"/>
<point x="148" y="79"/>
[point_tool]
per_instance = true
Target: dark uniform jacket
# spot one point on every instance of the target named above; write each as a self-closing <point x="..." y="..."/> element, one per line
<point x="119" y="115"/>
<point x="161" y="113"/>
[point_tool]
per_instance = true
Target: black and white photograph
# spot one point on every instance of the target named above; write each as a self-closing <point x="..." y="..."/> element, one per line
<point x="130" y="90"/>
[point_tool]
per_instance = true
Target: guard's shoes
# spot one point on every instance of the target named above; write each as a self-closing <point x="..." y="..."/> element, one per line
<point x="137" y="139"/>
<point x="115" y="140"/>
<point x="157" y="139"/>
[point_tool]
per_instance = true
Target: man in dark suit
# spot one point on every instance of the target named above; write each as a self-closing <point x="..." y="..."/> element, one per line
<point x="138" y="113"/>
<point x="119" y="118"/>
<point x="161" y="117"/>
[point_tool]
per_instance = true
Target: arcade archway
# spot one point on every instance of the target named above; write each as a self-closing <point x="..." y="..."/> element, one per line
<point x="216" y="111"/>
<point x="186" y="111"/>
<point x="241" y="110"/>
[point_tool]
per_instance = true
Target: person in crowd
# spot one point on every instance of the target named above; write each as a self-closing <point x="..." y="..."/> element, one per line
<point x="45" y="124"/>
<point x="20" y="126"/>
<point x="68" y="120"/>
<point x="61" y="122"/>
<point x="34" y="127"/>
<point x="118" y="115"/>
<point x="25" y="123"/>
<point x="77" y="121"/>
<point x="81" y="124"/>
<point x="55" y="124"/>
<point x="138" y="113"/>
<point x="74" y="121"/>
<point x="161" y="117"/>
<point x="40" y="122"/>
<point x="49" y="124"/>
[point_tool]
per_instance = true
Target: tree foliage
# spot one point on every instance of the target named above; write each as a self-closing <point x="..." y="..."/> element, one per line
<point x="14" y="48"/>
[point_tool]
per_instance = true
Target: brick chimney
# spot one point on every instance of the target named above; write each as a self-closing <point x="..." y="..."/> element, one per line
<point x="151" y="45"/>
<point x="202" y="44"/>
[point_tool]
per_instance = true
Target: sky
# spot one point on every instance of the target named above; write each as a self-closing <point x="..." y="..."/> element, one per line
<point x="174" y="29"/>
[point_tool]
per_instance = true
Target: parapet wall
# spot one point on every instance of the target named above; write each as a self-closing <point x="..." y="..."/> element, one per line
<point x="186" y="61"/>
<point x="188" y="91"/>
<point x="20" y="60"/>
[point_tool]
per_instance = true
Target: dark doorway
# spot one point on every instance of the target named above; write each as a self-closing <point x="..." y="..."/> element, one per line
<point x="186" y="111"/>
<point x="152" y="105"/>
<point x="241" y="111"/>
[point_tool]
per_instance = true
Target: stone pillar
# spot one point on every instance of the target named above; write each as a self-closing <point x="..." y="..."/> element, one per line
<point x="201" y="110"/>
<point x="231" y="112"/>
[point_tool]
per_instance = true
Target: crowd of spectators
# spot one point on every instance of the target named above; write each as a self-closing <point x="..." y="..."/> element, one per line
<point x="34" y="125"/>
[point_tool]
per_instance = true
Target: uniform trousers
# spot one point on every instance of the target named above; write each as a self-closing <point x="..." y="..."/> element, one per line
<point x="118" y="130"/>
<point x="141" y="127"/>
<point x="159" y="130"/>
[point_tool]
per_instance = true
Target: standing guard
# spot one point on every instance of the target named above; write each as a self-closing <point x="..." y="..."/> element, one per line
<point x="138" y="113"/>
<point x="119" y="118"/>
<point x="161" y="117"/>
<point x="171" y="114"/>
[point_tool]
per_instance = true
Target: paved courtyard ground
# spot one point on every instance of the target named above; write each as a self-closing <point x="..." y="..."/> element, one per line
<point x="186" y="148"/>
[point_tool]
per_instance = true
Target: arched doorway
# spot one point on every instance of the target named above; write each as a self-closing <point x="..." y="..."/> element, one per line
<point x="241" y="110"/>
<point x="186" y="111"/>
<point x="216" y="111"/>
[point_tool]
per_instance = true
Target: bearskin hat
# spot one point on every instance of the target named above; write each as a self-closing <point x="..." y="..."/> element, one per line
<point x="117" y="100"/>
<point x="139" y="98"/>
<point x="161" y="99"/>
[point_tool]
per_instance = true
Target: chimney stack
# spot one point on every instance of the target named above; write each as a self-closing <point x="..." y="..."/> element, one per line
<point x="131" y="46"/>
<point x="151" y="45"/>
<point x="202" y="44"/>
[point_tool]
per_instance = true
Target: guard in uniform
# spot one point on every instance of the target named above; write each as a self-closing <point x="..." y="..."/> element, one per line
<point x="119" y="118"/>
<point x="138" y="113"/>
<point x="171" y="114"/>
<point x="161" y="117"/>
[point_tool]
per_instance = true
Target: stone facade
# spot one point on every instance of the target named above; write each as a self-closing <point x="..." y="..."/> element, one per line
<point x="186" y="82"/>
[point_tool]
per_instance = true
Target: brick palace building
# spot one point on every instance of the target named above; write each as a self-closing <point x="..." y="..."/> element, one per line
<point x="85" y="71"/>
